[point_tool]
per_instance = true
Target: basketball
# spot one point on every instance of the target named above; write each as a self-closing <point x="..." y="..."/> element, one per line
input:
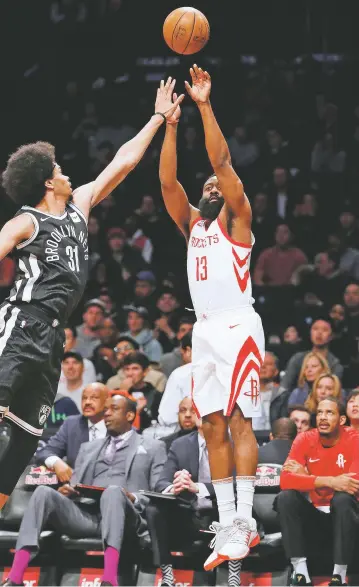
<point x="186" y="30"/>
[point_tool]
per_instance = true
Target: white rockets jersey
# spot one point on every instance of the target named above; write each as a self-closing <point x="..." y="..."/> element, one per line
<point x="218" y="269"/>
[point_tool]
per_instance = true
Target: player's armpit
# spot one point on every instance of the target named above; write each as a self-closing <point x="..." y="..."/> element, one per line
<point x="178" y="207"/>
<point x="16" y="231"/>
<point x="82" y="198"/>
<point x="233" y="192"/>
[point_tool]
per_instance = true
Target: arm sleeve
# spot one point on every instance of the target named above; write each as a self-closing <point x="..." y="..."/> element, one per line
<point x="57" y="445"/>
<point x="169" y="469"/>
<point x="292" y="480"/>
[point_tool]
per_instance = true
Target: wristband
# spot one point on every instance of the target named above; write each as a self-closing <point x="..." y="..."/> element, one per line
<point x="160" y="114"/>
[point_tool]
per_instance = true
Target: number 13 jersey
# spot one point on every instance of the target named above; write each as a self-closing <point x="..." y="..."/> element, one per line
<point x="218" y="269"/>
<point x="52" y="264"/>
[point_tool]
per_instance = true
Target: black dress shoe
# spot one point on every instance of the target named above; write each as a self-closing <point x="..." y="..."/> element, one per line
<point x="337" y="580"/>
<point x="9" y="583"/>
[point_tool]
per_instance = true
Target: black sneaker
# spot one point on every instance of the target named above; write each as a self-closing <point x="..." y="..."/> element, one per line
<point x="298" y="579"/>
<point x="337" y="580"/>
<point x="9" y="583"/>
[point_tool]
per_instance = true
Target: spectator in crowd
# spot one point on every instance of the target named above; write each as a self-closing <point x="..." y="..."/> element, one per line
<point x="281" y="437"/>
<point x="137" y="239"/>
<point x="343" y="344"/>
<point x="325" y="463"/>
<point x="145" y="291"/>
<point x="105" y="361"/>
<point x="313" y="365"/>
<point x="300" y="416"/>
<point x="137" y="323"/>
<point x="307" y="225"/>
<point x="351" y="301"/>
<point x="292" y="343"/>
<point x="276" y="151"/>
<point x="273" y="400"/>
<point x="148" y="399"/>
<point x="171" y="361"/>
<point x="123" y="463"/>
<point x="62" y="409"/>
<point x="324" y="279"/>
<point x="348" y="257"/>
<point x="124" y="262"/>
<point x="66" y="443"/>
<point x="320" y="337"/>
<point x="352" y="409"/>
<point x="324" y="386"/>
<point x="263" y="222"/>
<point x="185" y="473"/>
<point x="73" y="384"/>
<point x="126" y="345"/>
<point x="179" y="385"/>
<point x="107" y="333"/>
<point x="276" y="265"/>
<point x="281" y="194"/>
<point x="186" y="422"/>
<point x="348" y="228"/>
<point x="89" y="374"/>
<point x="87" y="338"/>
<point x="326" y="157"/>
<point x="168" y="309"/>
<point x="244" y="151"/>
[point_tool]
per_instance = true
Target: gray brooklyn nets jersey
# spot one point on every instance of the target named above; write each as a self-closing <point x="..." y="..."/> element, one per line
<point x="52" y="264"/>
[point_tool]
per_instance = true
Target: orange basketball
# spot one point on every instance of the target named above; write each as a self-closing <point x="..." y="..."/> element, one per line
<point x="186" y="30"/>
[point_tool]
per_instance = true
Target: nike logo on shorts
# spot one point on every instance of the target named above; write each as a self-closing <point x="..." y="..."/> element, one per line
<point x="234" y="325"/>
<point x="314" y="460"/>
<point x="43" y="219"/>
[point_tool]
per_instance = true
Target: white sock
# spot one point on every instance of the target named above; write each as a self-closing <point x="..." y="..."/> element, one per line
<point x="341" y="570"/>
<point x="300" y="567"/>
<point x="225" y="500"/>
<point x="245" y="493"/>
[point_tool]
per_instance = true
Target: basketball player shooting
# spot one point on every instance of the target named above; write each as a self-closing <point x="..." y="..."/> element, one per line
<point x="228" y="340"/>
<point x="49" y="239"/>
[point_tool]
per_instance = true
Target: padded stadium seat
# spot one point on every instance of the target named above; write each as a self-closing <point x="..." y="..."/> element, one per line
<point x="11" y="516"/>
<point x="81" y="544"/>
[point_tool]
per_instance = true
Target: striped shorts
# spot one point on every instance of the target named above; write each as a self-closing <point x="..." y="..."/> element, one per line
<point x="31" y="352"/>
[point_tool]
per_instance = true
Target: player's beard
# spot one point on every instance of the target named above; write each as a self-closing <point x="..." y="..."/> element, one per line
<point x="210" y="210"/>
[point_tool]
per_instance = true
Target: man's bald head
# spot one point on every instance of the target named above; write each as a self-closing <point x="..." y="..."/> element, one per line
<point x="93" y="401"/>
<point x="186" y="415"/>
<point x="284" y="429"/>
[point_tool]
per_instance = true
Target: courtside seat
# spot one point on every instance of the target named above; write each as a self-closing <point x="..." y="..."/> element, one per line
<point x="267" y="488"/>
<point x="82" y="544"/>
<point x="11" y="516"/>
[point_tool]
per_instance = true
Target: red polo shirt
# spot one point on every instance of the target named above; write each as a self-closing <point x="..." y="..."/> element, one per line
<point x="322" y="462"/>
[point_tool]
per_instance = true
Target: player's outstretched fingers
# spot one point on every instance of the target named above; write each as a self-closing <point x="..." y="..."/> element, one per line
<point x="178" y="100"/>
<point x="162" y="84"/>
<point x="193" y="74"/>
<point x="168" y="84"/>
<point x="172" y="85"/>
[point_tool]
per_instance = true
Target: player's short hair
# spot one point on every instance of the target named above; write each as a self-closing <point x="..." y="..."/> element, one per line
<point x="26" y="172"/>
<point x="136" y="358"/>
<point x="334" y="400"/>
<point x="210" y="177"/>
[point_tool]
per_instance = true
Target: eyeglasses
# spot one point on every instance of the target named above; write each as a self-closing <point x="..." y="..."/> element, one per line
<point x="119" y="349"/>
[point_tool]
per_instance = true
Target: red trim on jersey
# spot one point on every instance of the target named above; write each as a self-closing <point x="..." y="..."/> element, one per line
<point x="242" y="281"/>
<point x="193" y="404"/>
<point x="247" y="348"/>
<point x="231" y="240"/>
<point x="194" y="222"/>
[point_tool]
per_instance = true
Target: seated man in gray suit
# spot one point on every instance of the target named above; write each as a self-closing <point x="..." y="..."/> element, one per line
<point x="75" y="431"/>
<point x="123" y="463"/>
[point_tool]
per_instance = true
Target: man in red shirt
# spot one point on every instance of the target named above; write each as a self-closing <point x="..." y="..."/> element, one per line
<point x="319" y="501"/>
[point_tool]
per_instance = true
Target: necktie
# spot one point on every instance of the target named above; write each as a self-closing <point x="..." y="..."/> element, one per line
<point x="114" y="445"/>
<point x="93" y="431"/>
<point x="204" y="472"/>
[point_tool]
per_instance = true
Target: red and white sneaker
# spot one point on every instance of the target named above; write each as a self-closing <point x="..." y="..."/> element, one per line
<point x="232" y="542"/>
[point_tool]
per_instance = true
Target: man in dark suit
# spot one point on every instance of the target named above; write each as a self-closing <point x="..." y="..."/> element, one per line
<point x="122" y="463"/>
<point x="186" y="422"/>
<point x="74" y="432"/>
<point x="185" y="474"/>
<point x="282" y="436"/>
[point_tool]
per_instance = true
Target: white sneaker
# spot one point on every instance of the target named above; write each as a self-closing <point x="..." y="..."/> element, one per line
<point x="231" y="542"/>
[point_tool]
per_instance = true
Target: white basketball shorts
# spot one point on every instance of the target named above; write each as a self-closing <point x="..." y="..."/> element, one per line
<point x="227" y="353"/>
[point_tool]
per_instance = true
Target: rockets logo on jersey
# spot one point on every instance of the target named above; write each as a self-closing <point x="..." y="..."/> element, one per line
<point x="57" y="235"/>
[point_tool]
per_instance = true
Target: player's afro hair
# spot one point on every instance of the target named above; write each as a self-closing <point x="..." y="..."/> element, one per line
<point x="26" y="172"/>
